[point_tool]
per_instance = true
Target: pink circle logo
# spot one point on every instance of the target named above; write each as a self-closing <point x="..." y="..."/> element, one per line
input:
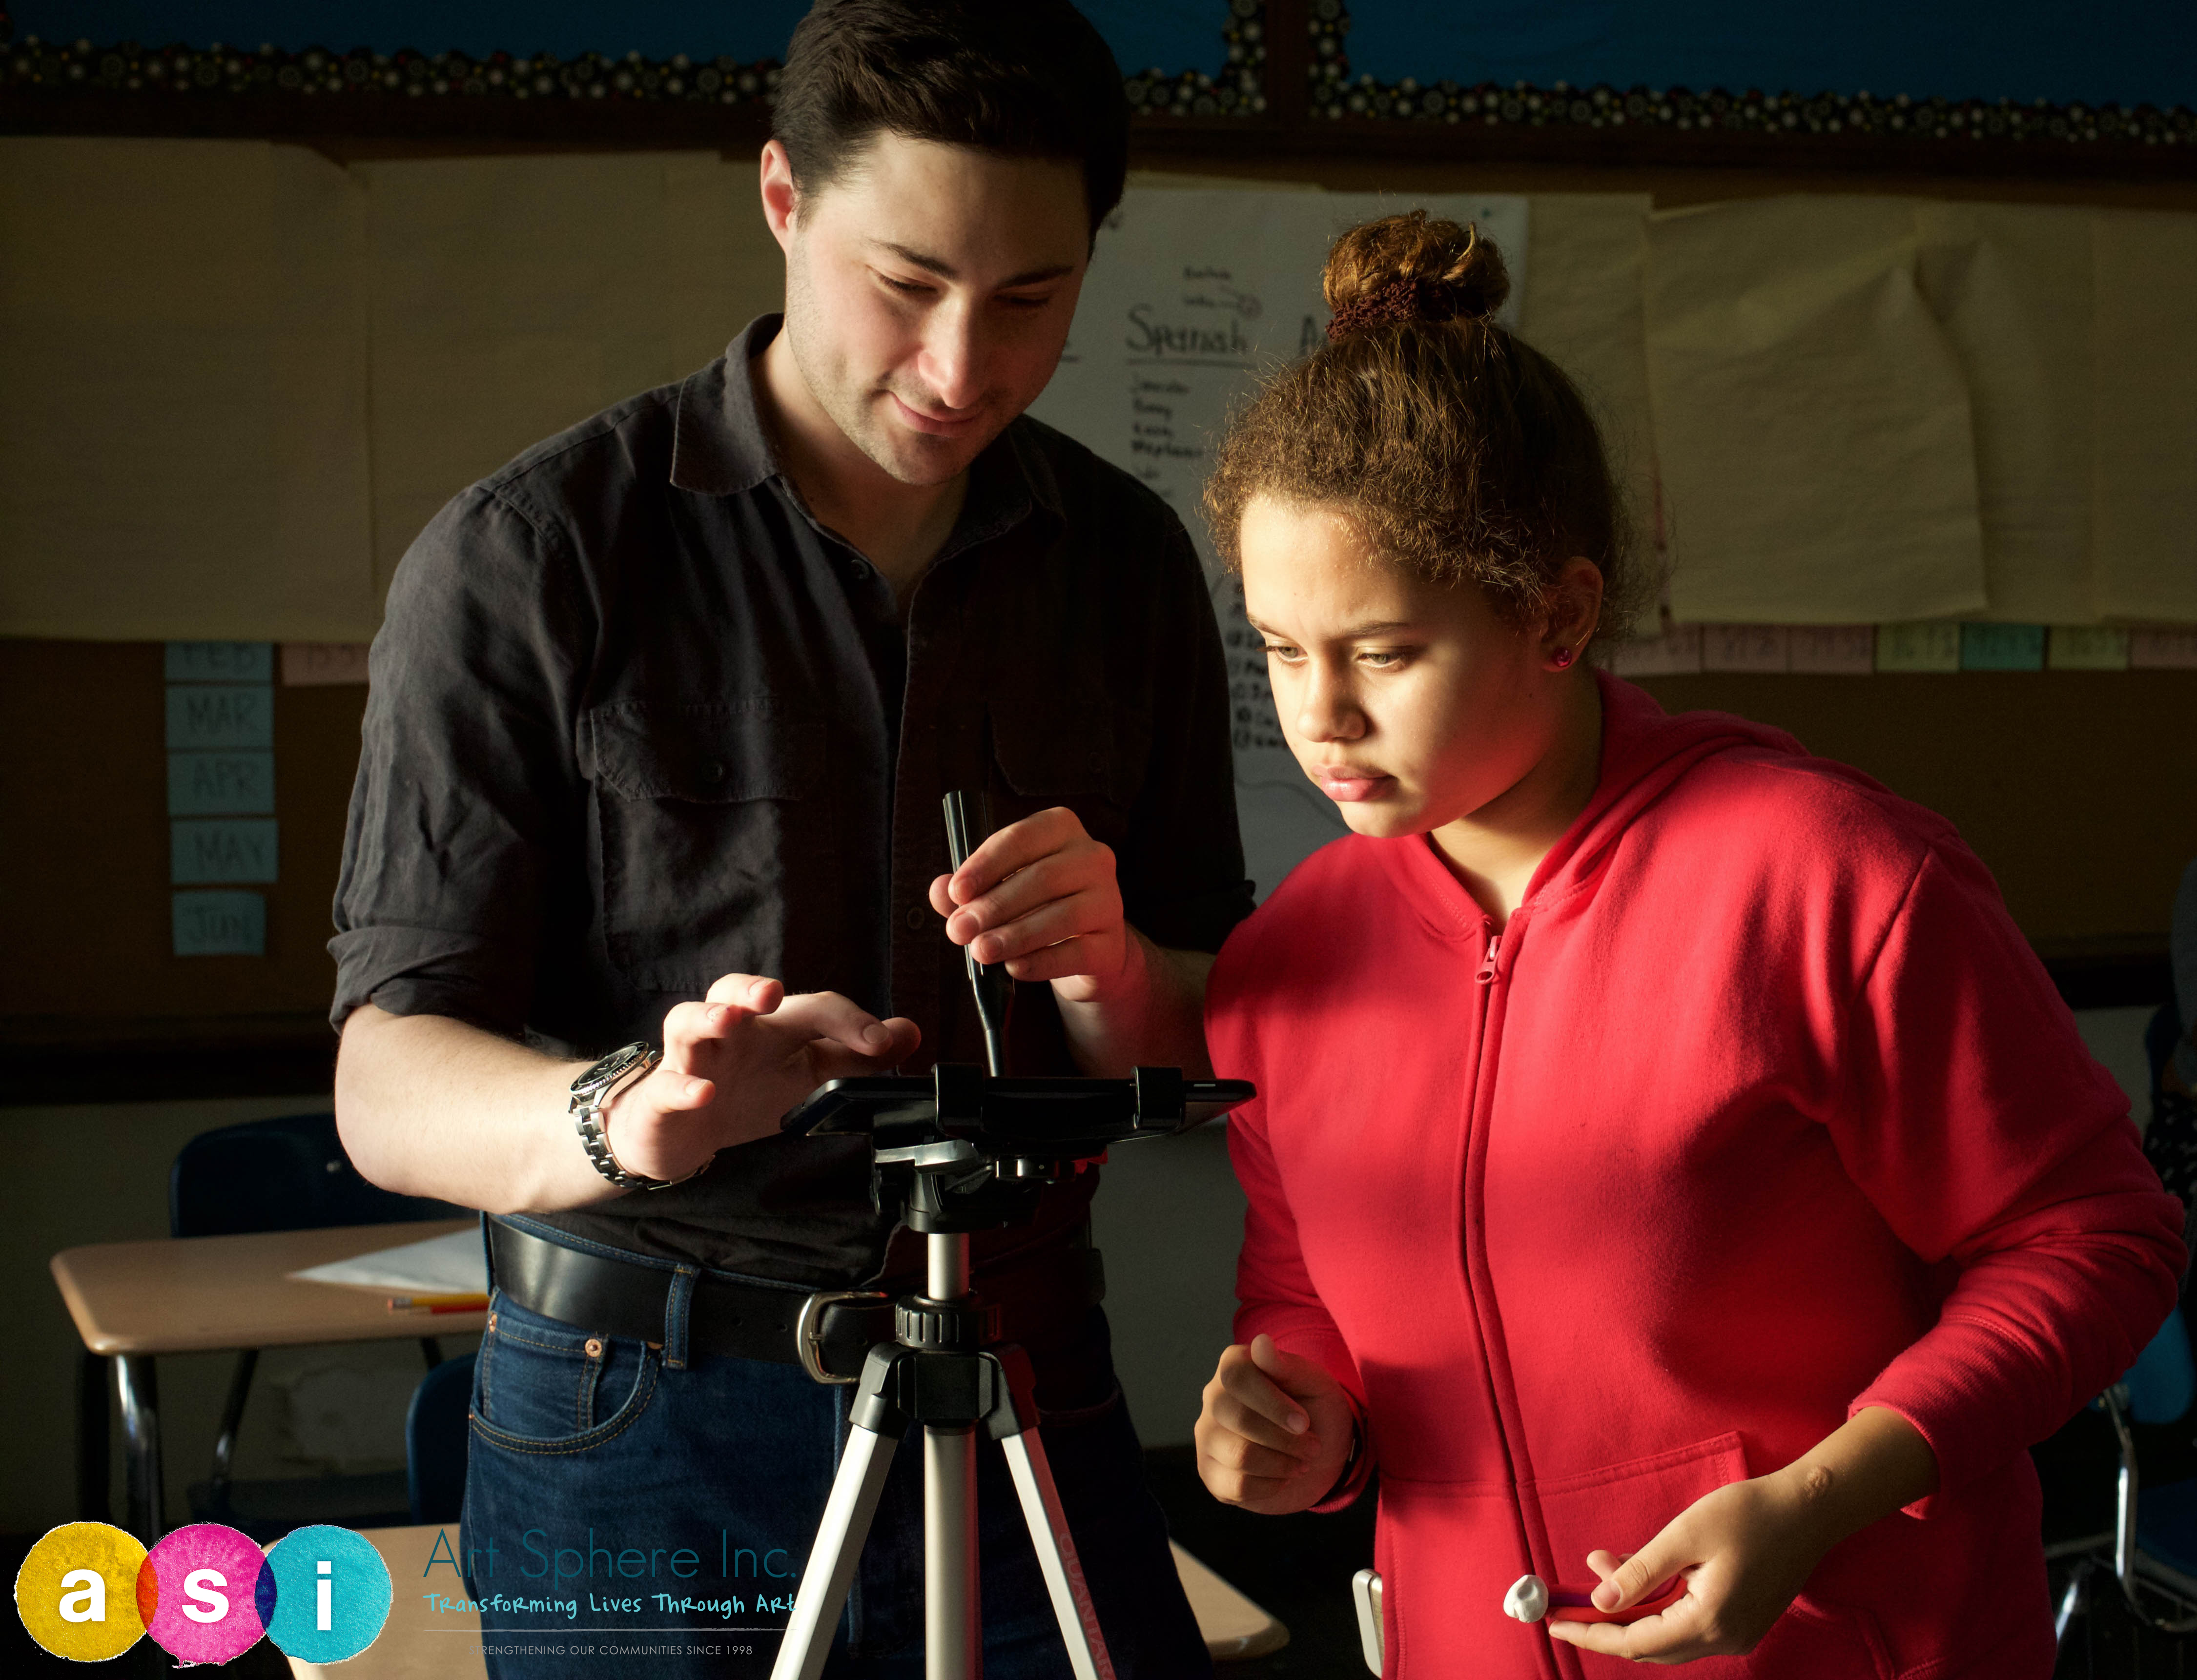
<point x="205" y="1592"/>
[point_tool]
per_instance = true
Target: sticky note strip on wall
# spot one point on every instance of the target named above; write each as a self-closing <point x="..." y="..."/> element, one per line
<point x="2002" y="647"/>
<point x="221" y="851"/>
<point x="1831" y="649"/>
<point x="2087" y="647"/>
<point x="1744" y="647"/>
<point x="219" y="662"/>
<point x="1675" y="651"/>
<point x="322" y="665"/>
<point x="216" y="717"/>
<point x="221" y="783"/>
<point x="1928" y="646"/>
<point x="2168" y="648"/>
<point x="220" y="924"/>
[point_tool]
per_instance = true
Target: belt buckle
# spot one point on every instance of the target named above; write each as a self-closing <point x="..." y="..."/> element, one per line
<point x="809" y="1331"/>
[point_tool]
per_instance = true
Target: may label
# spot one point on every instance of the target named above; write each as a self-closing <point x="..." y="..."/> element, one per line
<point x="221" y="852"/>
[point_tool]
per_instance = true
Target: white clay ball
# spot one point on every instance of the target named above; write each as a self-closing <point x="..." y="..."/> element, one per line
<point x="1527" y="1601"/>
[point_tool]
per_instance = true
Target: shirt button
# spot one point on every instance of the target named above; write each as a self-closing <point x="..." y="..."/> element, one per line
<point x="915" y="918"/>
<point x="717" y="770"/>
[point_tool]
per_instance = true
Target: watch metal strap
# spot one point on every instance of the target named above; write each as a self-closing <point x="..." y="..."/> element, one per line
<point x="595" y="1088"/>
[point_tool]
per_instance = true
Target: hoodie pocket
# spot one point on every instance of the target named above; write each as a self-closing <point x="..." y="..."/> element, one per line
<point x="1621" y="1507"/>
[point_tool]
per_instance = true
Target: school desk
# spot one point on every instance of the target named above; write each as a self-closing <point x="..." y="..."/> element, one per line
<point x="133" y="1301"/>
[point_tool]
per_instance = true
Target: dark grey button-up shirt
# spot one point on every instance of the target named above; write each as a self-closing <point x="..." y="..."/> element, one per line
<point x="638" y="721"/>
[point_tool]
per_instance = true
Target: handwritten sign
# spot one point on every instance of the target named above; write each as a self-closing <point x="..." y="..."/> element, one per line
<point x="221" y="851"/>
<point x="2002" y="647"/>
<point x="219" y="925"/>
<point x="322" y="665"/>
<point x="221" y="783"/>
<point x="1191" y="298"/>
<point x="218" y="717"/>
<point x="219" y="661"/>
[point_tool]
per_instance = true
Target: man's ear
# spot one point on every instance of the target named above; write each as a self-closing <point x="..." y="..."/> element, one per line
<point x="1575" y="610"/>
<point x="781" y="198"/>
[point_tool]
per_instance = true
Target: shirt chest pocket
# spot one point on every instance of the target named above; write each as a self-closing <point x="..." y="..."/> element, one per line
<point x="709" y="817"/>
<point x="1087" y="752"/>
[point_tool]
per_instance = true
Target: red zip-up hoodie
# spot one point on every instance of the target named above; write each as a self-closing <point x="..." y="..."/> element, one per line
<point x="1758" y="1112"/>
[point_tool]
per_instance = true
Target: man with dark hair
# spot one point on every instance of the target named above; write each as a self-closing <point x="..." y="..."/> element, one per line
<point x="661" y="716"/>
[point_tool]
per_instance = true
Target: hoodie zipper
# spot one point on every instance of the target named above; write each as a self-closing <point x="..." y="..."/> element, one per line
<point x="1484" y="1308"/>
<point x="1487" y="974"/>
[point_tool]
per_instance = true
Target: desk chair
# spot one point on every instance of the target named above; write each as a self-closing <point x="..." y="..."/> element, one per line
<point x="435" y="1434"/>
<point x="2151" y="1552"/>
<point x="285" y="1174"/>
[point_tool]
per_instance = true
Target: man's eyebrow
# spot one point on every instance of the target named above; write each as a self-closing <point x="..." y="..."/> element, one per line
<point x="946" y="270"/>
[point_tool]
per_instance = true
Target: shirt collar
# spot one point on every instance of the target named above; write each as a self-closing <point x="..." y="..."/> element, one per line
<point x="719" y="446"/>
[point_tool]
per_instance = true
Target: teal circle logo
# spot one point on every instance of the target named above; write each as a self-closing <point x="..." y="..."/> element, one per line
<point x="331" y="1594"/>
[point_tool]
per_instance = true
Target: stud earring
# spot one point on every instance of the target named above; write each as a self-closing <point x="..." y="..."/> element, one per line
<point x="1563" y="657"/>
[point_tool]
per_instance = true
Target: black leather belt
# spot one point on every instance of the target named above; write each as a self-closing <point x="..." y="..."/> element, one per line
<point x="827" y="1331"/>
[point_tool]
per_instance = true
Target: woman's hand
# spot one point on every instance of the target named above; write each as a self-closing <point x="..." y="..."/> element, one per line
<point x="1275" y="1431"/>
<point x="1748" y="1547"/>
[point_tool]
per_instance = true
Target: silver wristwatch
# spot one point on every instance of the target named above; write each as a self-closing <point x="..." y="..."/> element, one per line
<point x="593" y="1090"/>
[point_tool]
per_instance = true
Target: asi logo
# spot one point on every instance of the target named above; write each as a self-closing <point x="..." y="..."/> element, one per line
<point x="206" y="1594"/>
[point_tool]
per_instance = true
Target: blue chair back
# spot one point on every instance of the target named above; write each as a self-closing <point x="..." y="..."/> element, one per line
<point x="435" y="1436"/>
<point x="285" y="1174"/>
<point x="2163" y="1380"/>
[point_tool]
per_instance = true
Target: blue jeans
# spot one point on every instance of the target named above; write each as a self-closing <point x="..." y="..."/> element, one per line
<point x="623" y="1516"/>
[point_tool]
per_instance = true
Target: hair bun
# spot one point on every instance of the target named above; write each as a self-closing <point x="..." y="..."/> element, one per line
<point x="1411" y="268"/>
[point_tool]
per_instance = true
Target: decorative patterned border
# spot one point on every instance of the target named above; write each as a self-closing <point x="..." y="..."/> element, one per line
<point x="178" y="70"/>
<point x="1334" y="95"/>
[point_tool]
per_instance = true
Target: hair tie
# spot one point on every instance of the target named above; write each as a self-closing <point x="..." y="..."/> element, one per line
<point x="1399" y="300"/>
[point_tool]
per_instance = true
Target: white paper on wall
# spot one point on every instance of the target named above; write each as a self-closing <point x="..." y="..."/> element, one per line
<point x="2011" y="285"/>
<point x="1191" y="296"/>
<point x="1812" y="422"/>
<point x="2144" y="556"/>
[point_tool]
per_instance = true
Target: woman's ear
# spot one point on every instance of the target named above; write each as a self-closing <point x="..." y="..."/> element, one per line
<point x="1575" y="610"/>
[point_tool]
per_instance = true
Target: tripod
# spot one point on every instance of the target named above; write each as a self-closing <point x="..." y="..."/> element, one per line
<point x="979" y="1151"/>
<point x="947" y="1370"/>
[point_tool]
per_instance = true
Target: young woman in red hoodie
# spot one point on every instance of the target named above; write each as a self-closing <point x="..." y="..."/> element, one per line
<point x="1670" y="1159"/>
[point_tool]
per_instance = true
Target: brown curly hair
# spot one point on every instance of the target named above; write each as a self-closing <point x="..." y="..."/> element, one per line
<point x="1462" y="453"/>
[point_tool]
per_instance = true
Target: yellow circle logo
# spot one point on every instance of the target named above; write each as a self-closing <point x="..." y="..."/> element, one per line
<point x="77" y="1591"/>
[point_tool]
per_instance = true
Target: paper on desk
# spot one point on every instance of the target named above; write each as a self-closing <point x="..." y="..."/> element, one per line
<point x="451" y="1265"/>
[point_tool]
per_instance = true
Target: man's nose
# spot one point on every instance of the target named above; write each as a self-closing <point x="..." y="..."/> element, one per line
<point x="951" y="363"/>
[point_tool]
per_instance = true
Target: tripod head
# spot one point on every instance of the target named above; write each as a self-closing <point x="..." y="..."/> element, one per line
<point x="981" y="1145"/>
<point x="982" y="1148"/>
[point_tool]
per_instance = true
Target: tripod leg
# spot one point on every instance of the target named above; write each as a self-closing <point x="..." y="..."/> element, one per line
<point x="822" y="1593"/>
<point x="1056" y="1556"/>
<point x="953" y="1620"/>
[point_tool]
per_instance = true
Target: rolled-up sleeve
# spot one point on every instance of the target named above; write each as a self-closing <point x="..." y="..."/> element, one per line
<point x="467" y="795"/>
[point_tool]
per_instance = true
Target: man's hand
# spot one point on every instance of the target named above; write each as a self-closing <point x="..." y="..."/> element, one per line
<point x="1275" y="1430"/>
<point x="1040" y="896"/>
<point x="733" y="1065"/>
